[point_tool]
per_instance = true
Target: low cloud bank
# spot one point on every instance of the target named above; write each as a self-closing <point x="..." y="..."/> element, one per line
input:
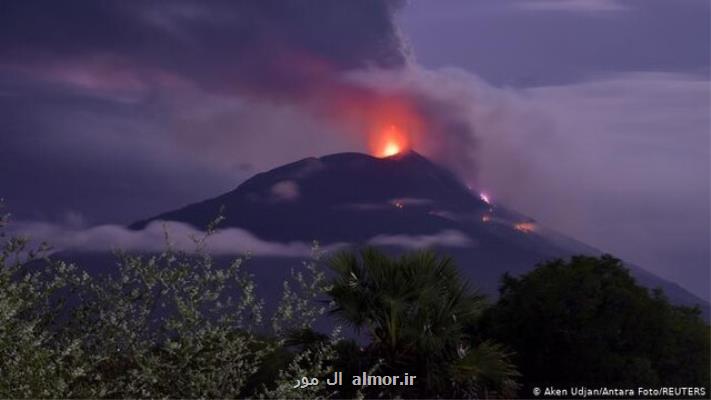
<point x="179" y="236"/>
<point x="156" y="237"/>
<point x="448" y="238"/>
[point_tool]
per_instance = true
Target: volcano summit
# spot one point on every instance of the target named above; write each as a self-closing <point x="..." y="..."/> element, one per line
<point x="400" y="202"/>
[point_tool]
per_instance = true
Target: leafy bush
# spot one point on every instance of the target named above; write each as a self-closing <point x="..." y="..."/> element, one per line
<point x="181" y="324"/>
<point x="586" y="322"/>
<point x="414" y="309"/>
<point x="167" y="325"/>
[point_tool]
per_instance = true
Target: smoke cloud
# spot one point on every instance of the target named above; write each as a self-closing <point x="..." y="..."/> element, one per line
<point x="121" y="110"/>
<point x="341" y="67"/>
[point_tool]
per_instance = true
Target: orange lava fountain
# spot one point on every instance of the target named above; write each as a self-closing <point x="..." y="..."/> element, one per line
<point x="389" y="142"/>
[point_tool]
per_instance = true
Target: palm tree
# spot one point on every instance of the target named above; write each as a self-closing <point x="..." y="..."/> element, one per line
<point x="415" y="309"/>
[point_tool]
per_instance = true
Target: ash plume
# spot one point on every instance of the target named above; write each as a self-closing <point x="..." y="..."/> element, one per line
<point x="345" y="63"/>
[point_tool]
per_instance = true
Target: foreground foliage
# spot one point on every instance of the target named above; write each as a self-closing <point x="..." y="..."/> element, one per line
<point x="171" y="325"/>
<point x="414" y="310"/>
<point x="182" y="325"/>
<point x="586" y="322"/>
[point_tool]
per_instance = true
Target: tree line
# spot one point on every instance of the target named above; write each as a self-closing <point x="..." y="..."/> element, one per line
<point x="181" y="325"/>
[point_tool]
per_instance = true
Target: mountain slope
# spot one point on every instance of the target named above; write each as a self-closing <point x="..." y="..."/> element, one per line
<point x="400" y="202"/>
<point x="342" y="197"/>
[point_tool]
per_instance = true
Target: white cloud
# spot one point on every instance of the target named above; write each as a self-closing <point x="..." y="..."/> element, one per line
<point x="285" y="191"/>
<point x="449" y="238"/>
<point x="585" y="6"/>
<point x="412" y="201"/>
<point x="153" y="239"/>
<point x="363" y="206"/>
<point x="620" y="162"/>
<point x="180" y="236"/>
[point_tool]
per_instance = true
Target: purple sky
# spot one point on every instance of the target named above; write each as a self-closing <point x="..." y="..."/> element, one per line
<point x="591" y="116"/>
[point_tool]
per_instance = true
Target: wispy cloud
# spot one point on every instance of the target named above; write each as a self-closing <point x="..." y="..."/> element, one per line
<point x="622" y="163"/>
<point x="580" y="6"/>
<point x="159" y="235"/>
<point x="156" y="237"/>
<point x="285" y="191"/>
<point x="447" y="238"/>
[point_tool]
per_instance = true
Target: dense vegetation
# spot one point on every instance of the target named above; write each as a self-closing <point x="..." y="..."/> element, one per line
<point x="586" y="322"/>
<point x="179" y="325"/>
<point x="414" y="310"/>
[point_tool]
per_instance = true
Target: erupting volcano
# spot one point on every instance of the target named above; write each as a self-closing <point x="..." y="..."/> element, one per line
<point x="389" y="142"/>
<point x="391" y="149"/>
<point x="398" y="203"/>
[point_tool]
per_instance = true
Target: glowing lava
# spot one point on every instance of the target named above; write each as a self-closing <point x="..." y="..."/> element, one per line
<point x="391" y="149"/>
<point x="389" y="142"/>
<point x="525" y="227"/>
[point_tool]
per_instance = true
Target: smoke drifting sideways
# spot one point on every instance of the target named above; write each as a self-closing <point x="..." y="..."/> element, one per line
<point x="341" y="62"/>
<point x="120" y="110"/>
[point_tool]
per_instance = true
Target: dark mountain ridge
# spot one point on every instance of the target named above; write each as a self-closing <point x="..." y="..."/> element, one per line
<point x="393" y="202"/>
<point x="333" y="198"/>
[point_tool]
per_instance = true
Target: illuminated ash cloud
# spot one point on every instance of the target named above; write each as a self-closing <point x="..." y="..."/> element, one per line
<point x="273" y="47"/>
<point x="302" y="53"/>
<point x="211" y="92"/>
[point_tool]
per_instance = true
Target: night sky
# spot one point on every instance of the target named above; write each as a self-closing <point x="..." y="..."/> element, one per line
<point x="591" y="116"/>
